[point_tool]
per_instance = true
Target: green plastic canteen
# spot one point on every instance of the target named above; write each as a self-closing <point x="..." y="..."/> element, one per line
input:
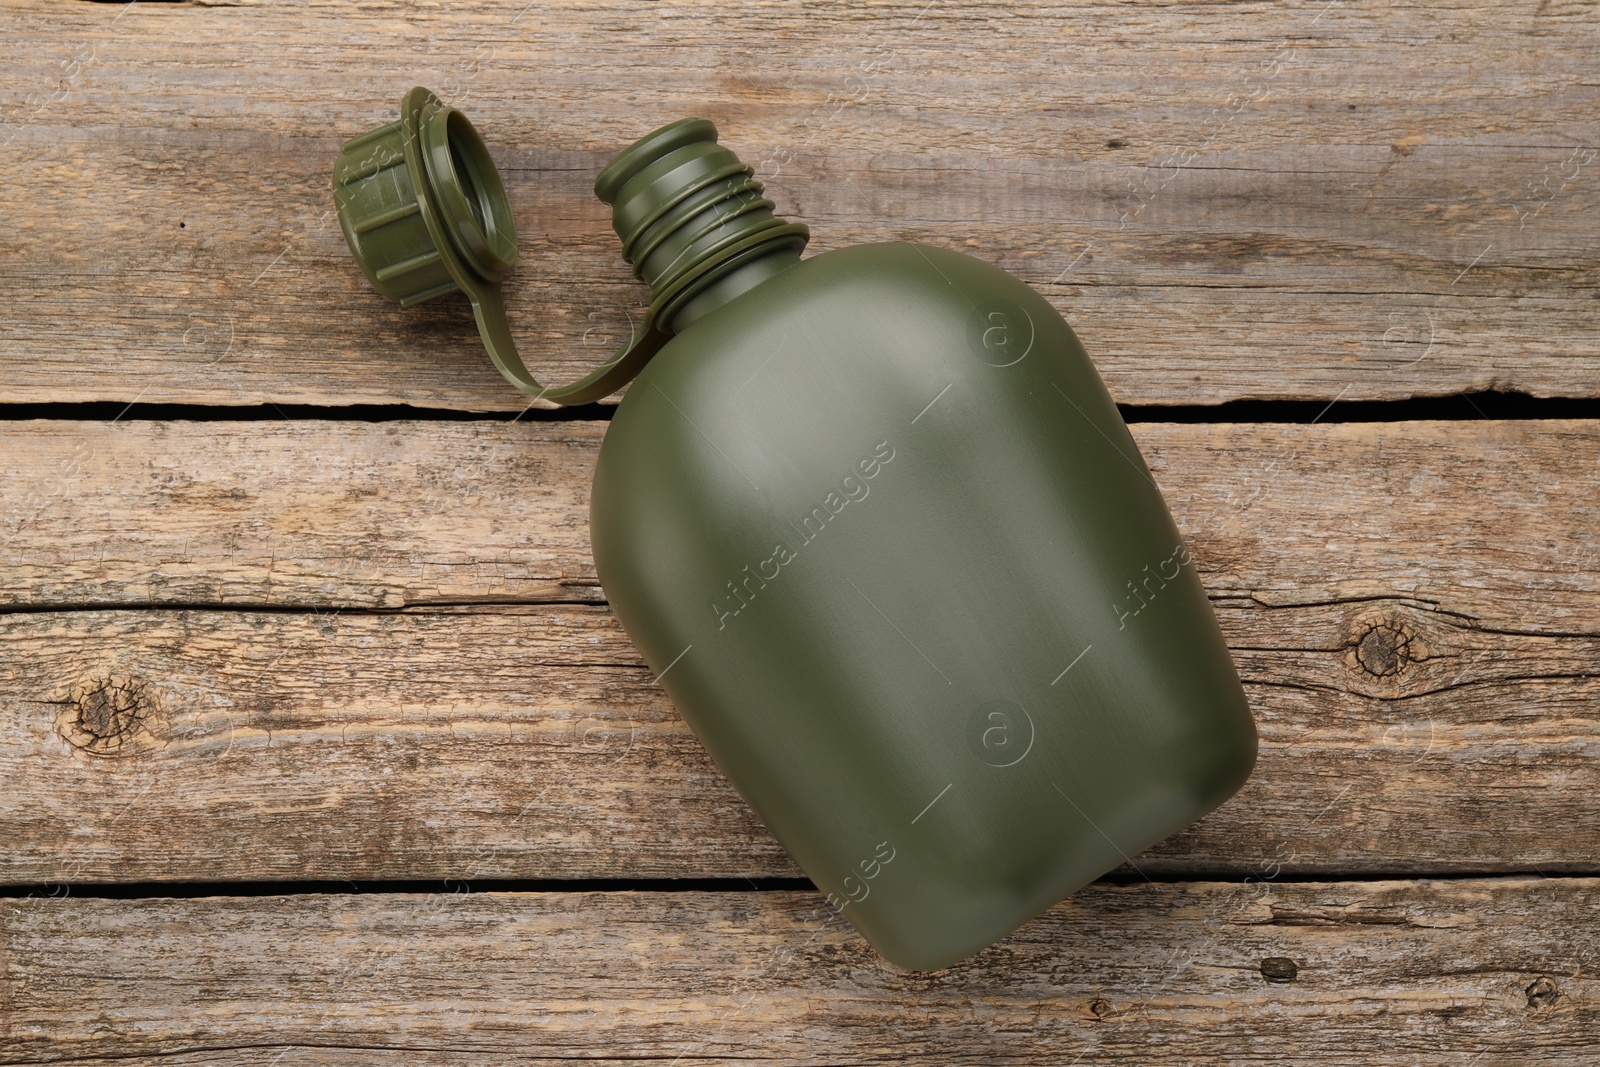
<point x="876" y="525"/>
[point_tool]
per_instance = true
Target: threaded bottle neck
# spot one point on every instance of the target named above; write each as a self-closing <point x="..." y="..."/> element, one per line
<point x="689" y="214"/>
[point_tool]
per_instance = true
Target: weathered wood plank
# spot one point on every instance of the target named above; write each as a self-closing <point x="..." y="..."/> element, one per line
<point x="1492" y="971"/>
<point x="1496" y="521"/>
<point x="1421" y="710"/>
<point x="1356" y="200"/>
<point x="159" y="745"/>
<point x="324" y="514"/>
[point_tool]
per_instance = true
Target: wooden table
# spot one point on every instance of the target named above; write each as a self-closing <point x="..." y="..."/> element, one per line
<point x="321" y="745"/>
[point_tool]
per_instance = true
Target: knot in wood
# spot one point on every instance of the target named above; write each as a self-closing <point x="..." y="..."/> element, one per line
<point x="1384" y="650"/>
<point x="1279" y="969"/>
<point x="108" y="716"/>
<point x="1542" y="993"/>
<point x="1099" y="1007"/>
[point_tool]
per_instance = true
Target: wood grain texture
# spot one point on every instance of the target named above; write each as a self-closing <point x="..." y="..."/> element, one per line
<point x="1413" y="607"/>
<point x="1494" y="971"/>
<point x="1359" y="200"/>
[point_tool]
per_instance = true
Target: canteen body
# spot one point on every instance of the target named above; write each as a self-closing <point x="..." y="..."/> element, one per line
<point x="874" y="520"/>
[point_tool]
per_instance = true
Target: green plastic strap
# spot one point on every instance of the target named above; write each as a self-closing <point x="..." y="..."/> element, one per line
<point x="490" y="311"/>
